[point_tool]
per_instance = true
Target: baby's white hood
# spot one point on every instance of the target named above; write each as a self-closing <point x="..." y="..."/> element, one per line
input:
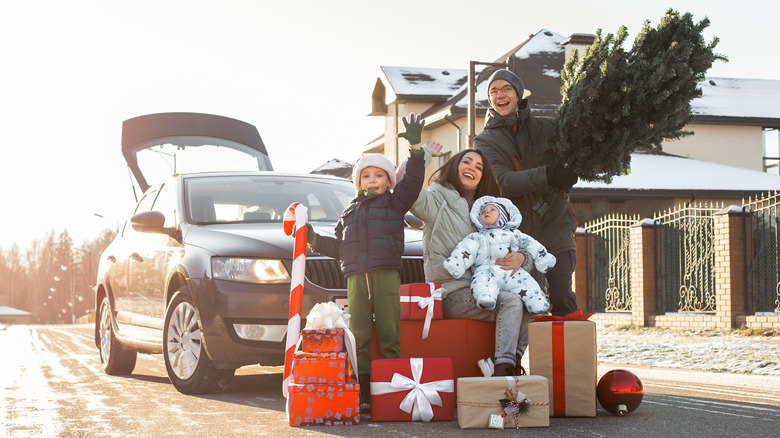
<point x="515" y="218"/>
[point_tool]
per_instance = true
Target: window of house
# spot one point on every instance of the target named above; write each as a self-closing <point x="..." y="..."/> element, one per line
<point x="771" y="151"/>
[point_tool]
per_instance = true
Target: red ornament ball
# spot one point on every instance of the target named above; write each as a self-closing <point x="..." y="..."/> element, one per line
<point x="620" y="392"/>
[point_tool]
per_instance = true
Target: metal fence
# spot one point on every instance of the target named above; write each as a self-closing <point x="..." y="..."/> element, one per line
<point x="611" y="263"/>
<point x="685" y="259"/>
<point x="686" y="277"/>
<point x="763" y="263"/>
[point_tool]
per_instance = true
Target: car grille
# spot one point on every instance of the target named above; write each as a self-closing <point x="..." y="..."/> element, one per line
<point x="326" y="273"/>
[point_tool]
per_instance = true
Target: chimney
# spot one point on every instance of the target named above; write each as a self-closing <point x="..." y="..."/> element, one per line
<point x="577" y="41"/>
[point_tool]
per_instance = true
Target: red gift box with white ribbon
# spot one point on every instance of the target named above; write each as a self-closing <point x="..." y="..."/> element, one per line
<point x="413" y="389"/>
<point x="421" y="301"/>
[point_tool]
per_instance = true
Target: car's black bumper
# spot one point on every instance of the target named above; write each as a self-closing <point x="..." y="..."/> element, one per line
<point x="265" y="308"/>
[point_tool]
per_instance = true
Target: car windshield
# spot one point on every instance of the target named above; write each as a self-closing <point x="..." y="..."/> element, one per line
<point x="259" y="198"/>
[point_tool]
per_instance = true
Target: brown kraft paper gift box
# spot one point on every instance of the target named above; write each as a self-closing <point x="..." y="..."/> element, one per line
<point x="479" y="398"/>
<point x="564" y="351"/>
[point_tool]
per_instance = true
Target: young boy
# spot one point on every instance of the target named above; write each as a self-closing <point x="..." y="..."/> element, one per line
<point x="369" y="243"/>
<point x="497" y="220"/>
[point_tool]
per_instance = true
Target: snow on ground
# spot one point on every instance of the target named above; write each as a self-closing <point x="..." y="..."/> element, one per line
<point x="25" y="394"/>
<point x="719" y="351"/>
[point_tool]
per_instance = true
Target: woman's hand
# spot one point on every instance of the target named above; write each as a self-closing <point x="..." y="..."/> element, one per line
<point x="433" y="148"/>
<point x="512" y="262"/>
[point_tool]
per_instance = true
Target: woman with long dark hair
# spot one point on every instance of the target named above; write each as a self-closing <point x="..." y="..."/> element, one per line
<point x="444" y="209"/>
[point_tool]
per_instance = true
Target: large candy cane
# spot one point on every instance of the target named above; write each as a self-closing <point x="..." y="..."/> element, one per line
<point x="295" y="221"/>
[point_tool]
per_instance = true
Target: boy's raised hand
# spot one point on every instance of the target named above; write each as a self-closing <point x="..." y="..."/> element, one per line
<point x="413" y="128"/>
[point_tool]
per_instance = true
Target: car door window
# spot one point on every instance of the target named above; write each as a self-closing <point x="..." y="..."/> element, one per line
<point x="145" y="204"/>
<point x="166" y="204"/>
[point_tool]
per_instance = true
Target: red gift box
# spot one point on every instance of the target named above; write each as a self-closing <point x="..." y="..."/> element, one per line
<point x="421" y="301"/>
<point x="319" y="368"/>
<point x="465" y="341"/>
<point x="322" y="340"/>
<point x="415" y="293"/>
<point x="323" y="405"/>
<point x="413" y="389"/>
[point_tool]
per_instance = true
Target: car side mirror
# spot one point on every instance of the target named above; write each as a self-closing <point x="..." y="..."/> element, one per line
<point x="150" y="222"/>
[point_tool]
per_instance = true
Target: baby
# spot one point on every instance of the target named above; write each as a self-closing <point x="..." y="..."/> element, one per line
<point x="497" y="220"/>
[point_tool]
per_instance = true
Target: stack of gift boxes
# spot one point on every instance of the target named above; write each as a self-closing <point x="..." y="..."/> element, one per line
<point x="321" y="390"/>
<point x="562" y="359"/>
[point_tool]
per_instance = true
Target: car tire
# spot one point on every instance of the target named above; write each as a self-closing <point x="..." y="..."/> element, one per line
<point x="190" y="369"/>
<point x="115" y="359"/>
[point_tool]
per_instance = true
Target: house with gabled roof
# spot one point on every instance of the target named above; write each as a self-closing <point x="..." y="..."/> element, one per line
<point x="335" y="167"/>
<point x="733" y="154"/>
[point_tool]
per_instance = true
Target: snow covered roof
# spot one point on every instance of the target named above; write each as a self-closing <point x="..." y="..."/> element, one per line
<point x="734" y="97"/>
<point x="663" y="172"/>
<point x="6" y="311"/>
<point x="335" y="167"/>
<point x="539" y="61"/>
<point x="411" y="81"/>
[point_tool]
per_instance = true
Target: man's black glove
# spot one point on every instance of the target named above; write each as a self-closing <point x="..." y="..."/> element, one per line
<point x="561" y="177"/>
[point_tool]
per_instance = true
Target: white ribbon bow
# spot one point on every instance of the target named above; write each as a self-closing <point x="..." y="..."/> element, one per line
<point x="329" y="315"/>
<point x="421" y="396"/>
<point x="425" y="302"/>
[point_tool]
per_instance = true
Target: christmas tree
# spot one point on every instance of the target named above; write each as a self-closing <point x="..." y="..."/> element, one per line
<point x="617" y="101"/>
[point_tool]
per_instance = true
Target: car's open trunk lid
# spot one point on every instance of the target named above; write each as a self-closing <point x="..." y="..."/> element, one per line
<point x="158" y="145"/>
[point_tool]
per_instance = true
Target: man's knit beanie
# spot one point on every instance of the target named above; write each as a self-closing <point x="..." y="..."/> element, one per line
<point x="509" y="77"/>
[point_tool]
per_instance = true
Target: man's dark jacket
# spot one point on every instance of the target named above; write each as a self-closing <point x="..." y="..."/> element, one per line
<point x="516" y="147"/>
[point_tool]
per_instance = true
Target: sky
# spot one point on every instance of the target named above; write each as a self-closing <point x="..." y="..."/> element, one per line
<point x="301" y="71"/>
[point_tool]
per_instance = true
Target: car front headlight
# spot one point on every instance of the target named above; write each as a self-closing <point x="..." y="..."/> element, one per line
<point x="249" y="270"/>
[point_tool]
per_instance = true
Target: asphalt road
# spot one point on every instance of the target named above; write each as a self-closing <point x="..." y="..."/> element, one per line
<point x="52" y="385"/>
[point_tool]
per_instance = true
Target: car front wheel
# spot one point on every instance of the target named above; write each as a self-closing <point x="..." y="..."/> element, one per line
<point x="115" y="359"/>
<point x="190" y="369"/>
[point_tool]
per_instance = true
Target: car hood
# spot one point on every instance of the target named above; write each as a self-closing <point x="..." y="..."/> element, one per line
<point x="268" y="240"/>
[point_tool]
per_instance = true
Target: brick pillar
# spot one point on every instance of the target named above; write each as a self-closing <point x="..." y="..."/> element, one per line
<point x="730" y="225"/>
<point x="582" y="277"/>
<point x="643" y="271"/>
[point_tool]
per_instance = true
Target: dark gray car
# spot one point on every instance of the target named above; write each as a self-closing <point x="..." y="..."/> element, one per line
<point x="201" y="271"/>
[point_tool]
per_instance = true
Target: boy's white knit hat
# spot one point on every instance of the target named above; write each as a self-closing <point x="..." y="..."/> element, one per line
<point x="373" y="160"/>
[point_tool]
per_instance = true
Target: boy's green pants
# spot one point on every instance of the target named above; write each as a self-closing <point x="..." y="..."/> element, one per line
<point x="375" y="295"/>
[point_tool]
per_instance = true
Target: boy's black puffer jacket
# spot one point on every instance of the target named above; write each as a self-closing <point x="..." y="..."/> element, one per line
<point x="370" y="231"/>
